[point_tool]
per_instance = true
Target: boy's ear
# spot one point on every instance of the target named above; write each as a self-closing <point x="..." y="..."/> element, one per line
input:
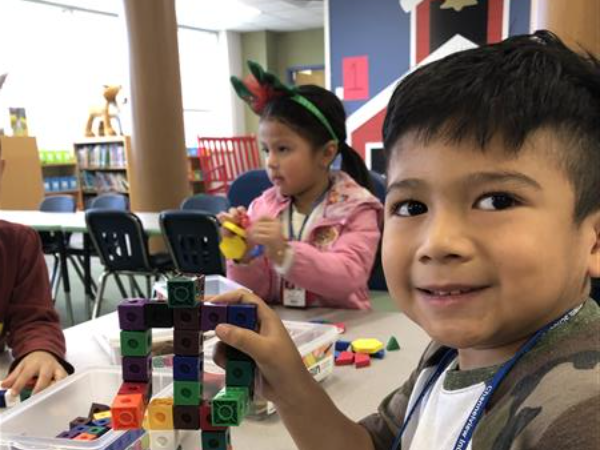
<point x="595" y="254"/>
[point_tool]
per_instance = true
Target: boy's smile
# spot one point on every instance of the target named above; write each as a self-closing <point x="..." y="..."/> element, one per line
<point x="480" y="248"/>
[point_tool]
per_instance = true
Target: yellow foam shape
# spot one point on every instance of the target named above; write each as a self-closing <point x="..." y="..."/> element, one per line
<point x="102" y="415"/>
<point x="368" y="346"/>
<point x="235" y="229"/>
<point x="233" y="247"/>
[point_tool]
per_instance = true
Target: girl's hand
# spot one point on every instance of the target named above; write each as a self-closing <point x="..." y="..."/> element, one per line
<point x="283" y="376"/>
<point x="266" y="231"/>
<point x="234" y="215"/>
<point x="39" y="364"/>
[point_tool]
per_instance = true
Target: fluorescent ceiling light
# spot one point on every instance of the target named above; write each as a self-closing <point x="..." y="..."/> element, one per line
<point x="207" y="14"/>
<point x="214" y="15"/>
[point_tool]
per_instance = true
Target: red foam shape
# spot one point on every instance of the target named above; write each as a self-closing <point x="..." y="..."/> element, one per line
<point x="344" y="359"/>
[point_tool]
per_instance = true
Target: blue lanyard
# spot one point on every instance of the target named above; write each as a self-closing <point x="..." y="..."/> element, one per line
<point x="469" y="427"/>
<point x="314" y="206"/>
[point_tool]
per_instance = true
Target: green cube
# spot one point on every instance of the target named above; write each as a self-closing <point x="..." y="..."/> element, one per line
<point x="239" y="373"/>
<point x="136" y="343"/>
<point x="216" y="440"/>
<point x="25" y="393"/>
<point x="230" y="406"/>
<point x="181" y="292"/>
<point x="187" y="393"/>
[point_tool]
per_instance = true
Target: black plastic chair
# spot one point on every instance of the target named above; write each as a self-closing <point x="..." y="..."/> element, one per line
<point x="212" y="204"/>
<point x="52" y="246"/>
<point x="193" y="240"/>
<point x="122" y="244"/>
<point x="110" y="201"/>
<point x="377" y="279"/>
<point x="247" y="187"/>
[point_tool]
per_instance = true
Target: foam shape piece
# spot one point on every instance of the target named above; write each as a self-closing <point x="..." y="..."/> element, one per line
<point x="367" y="346"/>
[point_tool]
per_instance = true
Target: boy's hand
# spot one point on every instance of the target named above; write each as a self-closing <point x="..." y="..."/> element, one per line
<point x="40" y="364"/>
<point x="267" y="231"/>
<point x="283" y="374"/>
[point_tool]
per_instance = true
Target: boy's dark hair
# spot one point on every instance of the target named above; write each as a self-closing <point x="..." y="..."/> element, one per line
<point x="509" y="89"/>
<point x="308" y="126"/>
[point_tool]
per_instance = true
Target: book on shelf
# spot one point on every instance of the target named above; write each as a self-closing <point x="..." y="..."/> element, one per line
<point x="101" y="155"/>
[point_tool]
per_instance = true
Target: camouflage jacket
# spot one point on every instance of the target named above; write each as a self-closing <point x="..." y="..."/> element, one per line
<point x="550" y="399"/>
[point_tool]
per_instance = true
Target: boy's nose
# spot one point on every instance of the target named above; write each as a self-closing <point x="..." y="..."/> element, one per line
<point x="445" y="240"/>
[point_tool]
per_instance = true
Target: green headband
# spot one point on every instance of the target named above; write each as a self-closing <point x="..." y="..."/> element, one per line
<point x="265" y="87"/>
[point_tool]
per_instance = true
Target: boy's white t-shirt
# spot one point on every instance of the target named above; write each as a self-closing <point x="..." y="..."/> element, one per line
<point x="441" y="415"/>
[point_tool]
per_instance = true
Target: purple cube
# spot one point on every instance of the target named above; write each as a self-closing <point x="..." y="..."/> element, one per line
<point x="131" y="314"/>
<point x="187" y="318"/>
<point x="242" y="315"/>
<point x="187" y="342"/>
<point x="78" y="421"/>
<point x="212" y="315"/>
<point x="137" y="368"/>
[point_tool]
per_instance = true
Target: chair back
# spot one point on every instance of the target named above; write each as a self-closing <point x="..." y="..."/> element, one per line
<point x="247" y="187"/>
<point x="119" y="239"/>
<point x="59" y="204"/>
<point x="193" y="240"/>
<point x="110" y="201"/>
<point x="211" y="204"/>
<point x="56" y="204"/>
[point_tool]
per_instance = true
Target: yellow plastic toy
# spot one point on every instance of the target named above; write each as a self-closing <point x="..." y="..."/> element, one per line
<point x="233" y="247"/>
<point x="368" y="346"/>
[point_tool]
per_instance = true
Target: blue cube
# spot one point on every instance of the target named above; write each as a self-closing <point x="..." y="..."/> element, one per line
<point x="187" y="368"/>
<point x="242" y="315"/>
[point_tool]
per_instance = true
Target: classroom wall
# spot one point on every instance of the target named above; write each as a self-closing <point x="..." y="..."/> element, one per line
<point x="279" y="51"/>
<point x="394" y="40"/>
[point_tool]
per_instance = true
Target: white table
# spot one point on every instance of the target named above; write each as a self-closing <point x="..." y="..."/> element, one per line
<point x="357" y="392"/>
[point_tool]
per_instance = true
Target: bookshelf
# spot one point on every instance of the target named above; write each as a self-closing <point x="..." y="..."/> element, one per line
<point x="60" y="174"/>
<point x="195" y="172"/>
<point x="103" y="165"/>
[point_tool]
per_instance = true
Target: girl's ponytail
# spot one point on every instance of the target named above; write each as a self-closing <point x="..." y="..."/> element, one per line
<point x="354" y="165"/>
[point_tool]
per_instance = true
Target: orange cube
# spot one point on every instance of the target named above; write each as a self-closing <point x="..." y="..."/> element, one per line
<point x="128" y="411"/>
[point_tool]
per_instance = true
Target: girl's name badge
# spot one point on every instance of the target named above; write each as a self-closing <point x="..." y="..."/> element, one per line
<point x="293" y="297"/>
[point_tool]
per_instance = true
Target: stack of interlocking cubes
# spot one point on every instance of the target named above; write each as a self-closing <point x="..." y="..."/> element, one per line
<point x="187" y="410"/>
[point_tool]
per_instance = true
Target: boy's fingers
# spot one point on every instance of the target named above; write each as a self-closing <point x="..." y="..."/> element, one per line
<point x="219" y="355"/>
<point x="10" y="379"/>
<point x="60" y="374"/>
<point x="43" y="381"/>
<point x="244" y="340"/>
<point x="23" y="378"/>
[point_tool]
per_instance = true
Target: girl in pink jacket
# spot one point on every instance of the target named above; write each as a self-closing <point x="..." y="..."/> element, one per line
<point x="319" y="229"/>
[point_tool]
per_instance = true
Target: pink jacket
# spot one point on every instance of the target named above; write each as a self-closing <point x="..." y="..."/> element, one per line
<point x="335" y="261"/>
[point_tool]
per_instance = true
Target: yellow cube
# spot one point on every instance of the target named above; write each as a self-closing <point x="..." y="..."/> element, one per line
<point x="160" y="414"/>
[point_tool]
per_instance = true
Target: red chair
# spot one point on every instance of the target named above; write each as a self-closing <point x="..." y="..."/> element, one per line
<point x="222" y="160"/>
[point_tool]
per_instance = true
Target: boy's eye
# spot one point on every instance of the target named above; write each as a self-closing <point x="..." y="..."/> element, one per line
<point x="265" y="150"/>
<point x="495" y="202"/>
<point x="408" y="208"/>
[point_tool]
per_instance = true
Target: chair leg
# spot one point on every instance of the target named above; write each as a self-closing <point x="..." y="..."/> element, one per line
<point x="138" y="290"/>
<point x="56" y="285"/>
<point x="149" y="285"/>
<point x="100" y="294"/>
<point x="53" y="276"/>
<point x="131" y="285"/>
<point x="120" y="285"/>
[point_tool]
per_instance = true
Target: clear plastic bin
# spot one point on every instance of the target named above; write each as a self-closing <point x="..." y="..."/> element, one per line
<point x="33" y="424"/>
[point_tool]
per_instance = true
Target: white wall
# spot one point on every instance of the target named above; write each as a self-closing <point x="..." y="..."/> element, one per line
<point x="59" y="60"/>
